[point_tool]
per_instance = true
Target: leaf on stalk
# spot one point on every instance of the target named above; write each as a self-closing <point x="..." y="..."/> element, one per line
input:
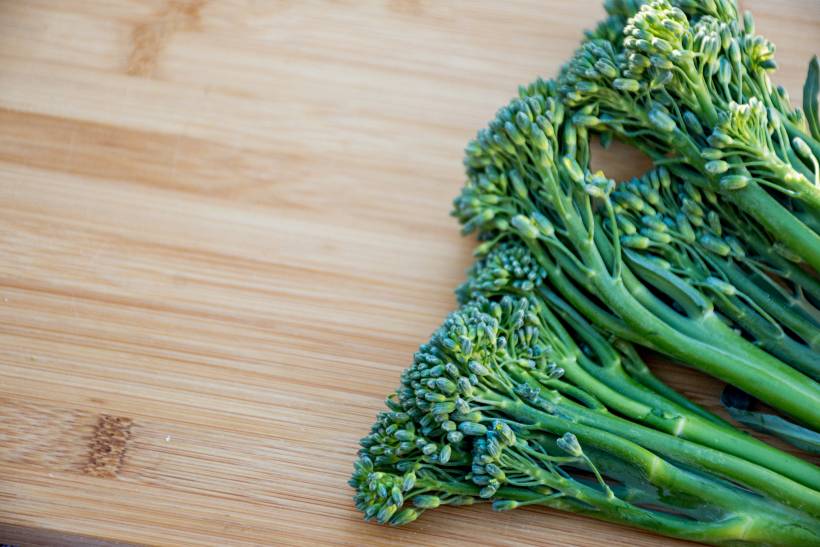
<point x="740" y="406"/>
<point x="811" y="89"/>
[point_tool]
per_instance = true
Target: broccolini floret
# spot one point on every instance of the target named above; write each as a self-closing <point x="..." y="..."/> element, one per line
<point x="698" y="85"/>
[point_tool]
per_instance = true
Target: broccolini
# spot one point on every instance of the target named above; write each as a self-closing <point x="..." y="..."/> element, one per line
<point x="487" y="412"/>
<point x="528" y="175"/>
<point x="532" y="392"/>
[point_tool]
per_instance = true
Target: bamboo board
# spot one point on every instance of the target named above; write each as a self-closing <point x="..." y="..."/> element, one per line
<point x="224" y="230"/>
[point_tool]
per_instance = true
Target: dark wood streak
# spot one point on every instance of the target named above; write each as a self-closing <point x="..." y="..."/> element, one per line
<point x="108" y="446"/>
<point x="37" y="537"/>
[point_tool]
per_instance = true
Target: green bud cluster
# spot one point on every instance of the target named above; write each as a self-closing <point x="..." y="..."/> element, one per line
<point x="381" y="495"/>
<point x="507" y="267"/>
<point x="498" y="185"/>
<point x="422" y="452"/>
<point x="693" y="78"/>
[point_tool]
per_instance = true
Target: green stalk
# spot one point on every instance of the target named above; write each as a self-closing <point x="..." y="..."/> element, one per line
<point x="640" y="309"/>
<point x="785" y="269"/>
<point x="739" y="525"/>
<point x="767" y="335"/>
<point x="702" y="323"/>
<point x="581" y="302"/>
<point x="760" y="375"/>
<point x="783" y="388"/>
<point x="753" y="309"/>
<point x="587" y="425"/>
<point x="632" y="400"/>
<point x="668" y="419"/>
<point x="626" y="375"/>
<point x="778" y="221"/>
<point x="795" y="131"/>
<point x="636" y="369"/>
<point x="752" y="528"/>
<point x="641" y="373"/>
<point x="771" y="337"/>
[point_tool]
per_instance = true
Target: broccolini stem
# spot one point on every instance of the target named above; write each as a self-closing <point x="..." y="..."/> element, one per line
<point x="639" y="308"/>
<point x="732" y="367"/>
<point x="608" y="432"/>
<point x="778" y="221"/>
<point x="770" y="336"/>
<point x="737" y="525"/>
<point x="608" y="323"/>
<point x="743" y="527"/>
<point x="662" y="416"/>
<point x="619" y="392"/>
<point x="785" y="268"/>
<point x="746" y="367"/>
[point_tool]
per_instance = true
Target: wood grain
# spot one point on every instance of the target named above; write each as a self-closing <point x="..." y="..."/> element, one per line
<point x="224" y="230"/>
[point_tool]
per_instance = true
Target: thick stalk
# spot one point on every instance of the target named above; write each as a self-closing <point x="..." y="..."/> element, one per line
<point x="581" y="302"/>
<point x="664" y="417"/>
<point x="718" y="353"/>
<point x="586" y="424"/>
<point x="771" y="337"/>
<point x="736" y="527"/>
<point x="765" y="377"/>
<point x="779" y="222"/>
<point x="703" y="324"/>
<point x="612" y="387"/>
<point x="740" y="525"/>
<point x="767" y="335"/>
<point x="789" y="391"/>
<point x="632" y="377"/>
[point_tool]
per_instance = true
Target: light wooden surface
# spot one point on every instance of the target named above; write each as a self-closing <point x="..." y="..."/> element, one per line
<point x="224" y="230"/>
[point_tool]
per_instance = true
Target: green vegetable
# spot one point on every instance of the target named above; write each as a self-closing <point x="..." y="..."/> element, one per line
<point x="741" y="407"/>
<point x="811" y="89"/>
<point x="520" y="429"/>
<point x="532" y="393"/>
<point x="590" y="266"/>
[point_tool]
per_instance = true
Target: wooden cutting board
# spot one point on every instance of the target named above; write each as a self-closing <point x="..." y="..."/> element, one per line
<point x="224" y="230"/>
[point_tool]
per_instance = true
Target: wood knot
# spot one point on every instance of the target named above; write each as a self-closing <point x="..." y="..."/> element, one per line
<point x="151" y="37"/>
<point x="108" y="446"/>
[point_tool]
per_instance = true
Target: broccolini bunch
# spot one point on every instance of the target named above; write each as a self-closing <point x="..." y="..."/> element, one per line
<point x="531" y="392"/>
<point x="502" y="405"/>
<point x="528" y="175"/>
